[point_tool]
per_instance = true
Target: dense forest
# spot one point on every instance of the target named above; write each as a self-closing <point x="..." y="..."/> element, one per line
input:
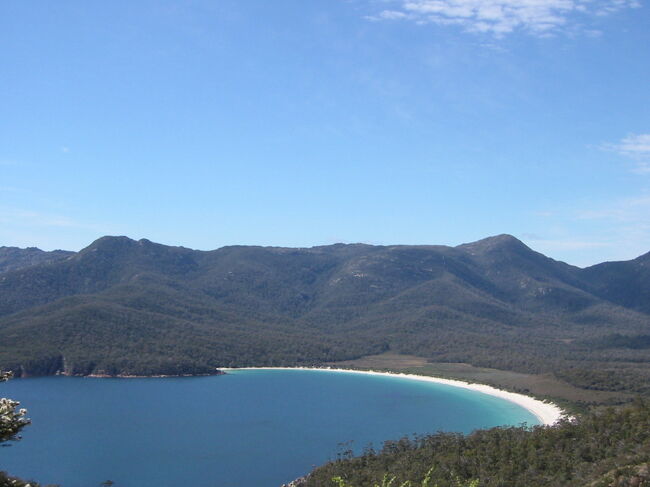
<point x="131" y="307"/>
<point x="605" y="448"/>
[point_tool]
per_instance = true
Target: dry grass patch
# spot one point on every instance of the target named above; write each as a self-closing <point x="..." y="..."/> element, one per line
<point x="542" y="386"/>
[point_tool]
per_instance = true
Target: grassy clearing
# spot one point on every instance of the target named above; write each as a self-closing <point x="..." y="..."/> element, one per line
<point x="543" y="386"/>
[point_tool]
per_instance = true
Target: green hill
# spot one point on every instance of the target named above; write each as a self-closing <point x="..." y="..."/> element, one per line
<point x="121" y="306"/>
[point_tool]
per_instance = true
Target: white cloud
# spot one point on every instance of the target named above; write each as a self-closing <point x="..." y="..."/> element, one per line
<point x="390" y="15"/>
<point x="501" y="17"/>
<point x="636" y="147"/>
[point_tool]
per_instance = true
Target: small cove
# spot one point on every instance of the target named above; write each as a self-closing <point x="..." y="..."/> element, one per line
<point x="247" y="428"/>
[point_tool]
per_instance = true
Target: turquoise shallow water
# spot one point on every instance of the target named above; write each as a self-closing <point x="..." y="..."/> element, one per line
<point x="250" y="428"/>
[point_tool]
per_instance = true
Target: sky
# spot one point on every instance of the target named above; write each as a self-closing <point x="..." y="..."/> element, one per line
<point x="206" y="123"/>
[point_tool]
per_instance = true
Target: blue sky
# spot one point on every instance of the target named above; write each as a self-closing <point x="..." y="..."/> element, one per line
<point x="300" y="123"/>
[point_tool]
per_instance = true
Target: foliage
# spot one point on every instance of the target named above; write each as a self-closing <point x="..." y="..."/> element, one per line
<point x="388" y="481"/>
<point x="12" y="419"/>
<point x="7" y="481"/>
<point x="573" y="453"/>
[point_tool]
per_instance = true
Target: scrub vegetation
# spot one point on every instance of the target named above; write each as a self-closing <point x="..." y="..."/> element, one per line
<point x="389" y="481"/>
<point x="12" y="421"/>
<point x="610" y="447"/>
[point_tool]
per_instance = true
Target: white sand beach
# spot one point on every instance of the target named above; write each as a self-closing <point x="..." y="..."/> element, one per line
<point x="548" y="413"/>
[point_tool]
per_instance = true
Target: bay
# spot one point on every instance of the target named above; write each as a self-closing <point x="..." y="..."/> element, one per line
<point x="249" y="428"/>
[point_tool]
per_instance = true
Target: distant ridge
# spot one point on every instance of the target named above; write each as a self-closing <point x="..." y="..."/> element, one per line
<point x="626" y="283"/>
<point x="121" y="306"/>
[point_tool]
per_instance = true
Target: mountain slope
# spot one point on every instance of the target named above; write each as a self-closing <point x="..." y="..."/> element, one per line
<point x="624" y="283"/>
<point x="13" y="258"/>
<point x="136" y="307"/>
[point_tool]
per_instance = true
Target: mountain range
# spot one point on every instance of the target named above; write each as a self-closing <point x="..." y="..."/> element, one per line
<point x="129" y="307"/>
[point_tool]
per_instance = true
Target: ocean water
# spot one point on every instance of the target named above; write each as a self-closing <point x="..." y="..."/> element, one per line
<point x="249" y="428"/>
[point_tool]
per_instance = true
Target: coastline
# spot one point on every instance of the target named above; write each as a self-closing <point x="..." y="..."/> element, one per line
<point x="547" y="413"/>
<point x="158" y="376"/>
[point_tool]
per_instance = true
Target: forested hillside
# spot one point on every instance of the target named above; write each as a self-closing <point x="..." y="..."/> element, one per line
<point x="121" y="306"/>
<point x="600" y="449"/>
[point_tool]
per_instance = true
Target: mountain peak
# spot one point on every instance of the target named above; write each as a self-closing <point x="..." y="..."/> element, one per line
<point x="108" y="245"/>
<point x="497" y="242"/>
<point x="110" y="241"/>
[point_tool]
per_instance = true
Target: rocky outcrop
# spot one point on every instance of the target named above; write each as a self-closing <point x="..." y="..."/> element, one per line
<point x="301" y="482"/>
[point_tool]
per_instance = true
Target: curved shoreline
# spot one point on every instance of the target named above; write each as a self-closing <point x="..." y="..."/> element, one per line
<point x="548" y="413"/>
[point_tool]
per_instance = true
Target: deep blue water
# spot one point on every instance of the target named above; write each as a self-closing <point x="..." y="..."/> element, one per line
<point x="254" y="428"/>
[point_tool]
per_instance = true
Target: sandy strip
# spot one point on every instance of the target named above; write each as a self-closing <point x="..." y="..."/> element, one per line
<point x="548" y="413"/>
